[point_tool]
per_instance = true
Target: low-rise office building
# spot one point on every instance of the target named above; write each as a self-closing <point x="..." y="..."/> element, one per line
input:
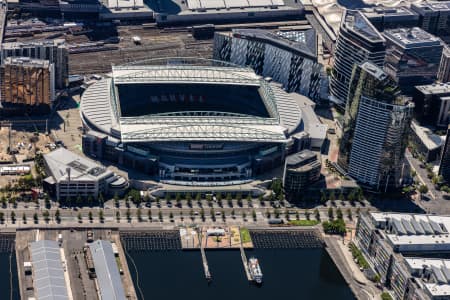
<point x="432" y="104"/>
<point x="300" y="171"/>
<point x="412" y="57"/>
<point x="391" y="17"/>
<point x="426" y="143"/>
<point x="71" y="175"/>
<point x="395" y="243"/>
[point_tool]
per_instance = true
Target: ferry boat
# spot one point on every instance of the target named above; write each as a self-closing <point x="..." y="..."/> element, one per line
<point x="255" y="270"/>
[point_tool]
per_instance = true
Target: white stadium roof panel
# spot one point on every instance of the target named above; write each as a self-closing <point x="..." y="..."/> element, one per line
<point x="194" y="4"/>
<point x="259" y="3"/>
<point x="236" y="3"/>
<point x="278" y="2"/>
<point x="212" y="4"/>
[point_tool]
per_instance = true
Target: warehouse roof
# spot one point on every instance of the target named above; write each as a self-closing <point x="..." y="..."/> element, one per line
<point x="108" y="276"/>
<point x="48" y="271"/>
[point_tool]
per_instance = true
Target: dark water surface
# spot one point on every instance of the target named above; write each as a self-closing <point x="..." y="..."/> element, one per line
<point x="9" y="289"/>
<point x="288" y="274"/>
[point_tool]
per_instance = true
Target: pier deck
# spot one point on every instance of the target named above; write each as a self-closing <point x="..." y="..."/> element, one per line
<point x="205" y="262"/>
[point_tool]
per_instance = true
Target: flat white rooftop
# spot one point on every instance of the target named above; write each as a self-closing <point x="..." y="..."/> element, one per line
<point x="415" y="232"/>
<point x="440" y="269"/>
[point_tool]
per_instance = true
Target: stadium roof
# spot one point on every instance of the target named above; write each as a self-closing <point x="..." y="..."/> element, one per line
<point x="48" y="271"/>
<point x="100" y="107"/>
<point x="108" y="276"/>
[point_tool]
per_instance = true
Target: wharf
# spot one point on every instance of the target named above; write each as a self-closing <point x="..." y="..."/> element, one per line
<point x="79" y="283"/>
<point x="232" y="237"/>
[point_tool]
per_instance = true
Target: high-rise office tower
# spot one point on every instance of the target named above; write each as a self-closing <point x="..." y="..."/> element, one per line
<point x="444" y="166"/>
<point x="412" y="57"/>
<point x="376" y="124"/>
<point x="444" y="66"/>
<point x="358" y="42"/>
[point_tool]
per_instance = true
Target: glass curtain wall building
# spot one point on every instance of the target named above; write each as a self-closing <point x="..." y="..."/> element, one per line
<point x="358" y="42"/>
<point x="375" y="130"/>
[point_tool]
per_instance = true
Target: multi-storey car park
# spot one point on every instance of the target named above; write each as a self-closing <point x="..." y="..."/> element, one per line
<point x="195" y="121"/>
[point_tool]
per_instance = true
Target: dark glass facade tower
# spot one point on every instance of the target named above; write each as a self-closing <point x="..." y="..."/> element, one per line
<point x="376" y="124"/>
<point x="358" y="42"/>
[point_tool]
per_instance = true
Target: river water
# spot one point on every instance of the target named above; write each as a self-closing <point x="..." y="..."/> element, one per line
<point x="9" y="285"/>
<point x="288" y="274"/>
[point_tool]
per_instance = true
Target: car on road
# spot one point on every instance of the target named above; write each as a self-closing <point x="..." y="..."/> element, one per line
<point x="148" y="204"/>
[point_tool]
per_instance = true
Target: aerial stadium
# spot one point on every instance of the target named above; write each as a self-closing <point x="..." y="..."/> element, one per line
<point x="195" y="121"/>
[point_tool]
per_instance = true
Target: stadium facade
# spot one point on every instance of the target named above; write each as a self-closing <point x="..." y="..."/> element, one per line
<point x="195" y="121"/>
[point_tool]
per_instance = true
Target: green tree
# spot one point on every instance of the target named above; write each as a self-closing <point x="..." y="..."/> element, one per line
<point x="212" y="214"/>
<point x="139" y="215"/>
<point x="339" y="213"/>
<point x="323" y="197"/>
<point x="171" y="216"/>
<point x="423" y="189"/>
<point x="349" y="214"/>
<point x="24" y="218"/>
<point x="101" y="200"/>
<point x="244" y="215"/>
<point x="46" y="215"/>
<point x="35" y="217"/>
<point x="276" y="212"/>
<point x="116" y="200"/>
<point x="118" y="216"/>
<point x="317" y="214"/>
<point x="13" y="217"/>
<point x="80" y="218"/>
<point x="334" y="227"/>
<point x="128" y="213"/>
<point x="90" y="216"/>
<point x="254" y="215"/>
<point x="101" y="217"/>
<point x="202" y="214"/>
<point x="332" y="196"/>
<point x="58" y="216"/>
<point x="307" y="214"/>
<point x="233" y="213"/>
<point x="149" y="215"/>
<point x="330" y="213"/>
